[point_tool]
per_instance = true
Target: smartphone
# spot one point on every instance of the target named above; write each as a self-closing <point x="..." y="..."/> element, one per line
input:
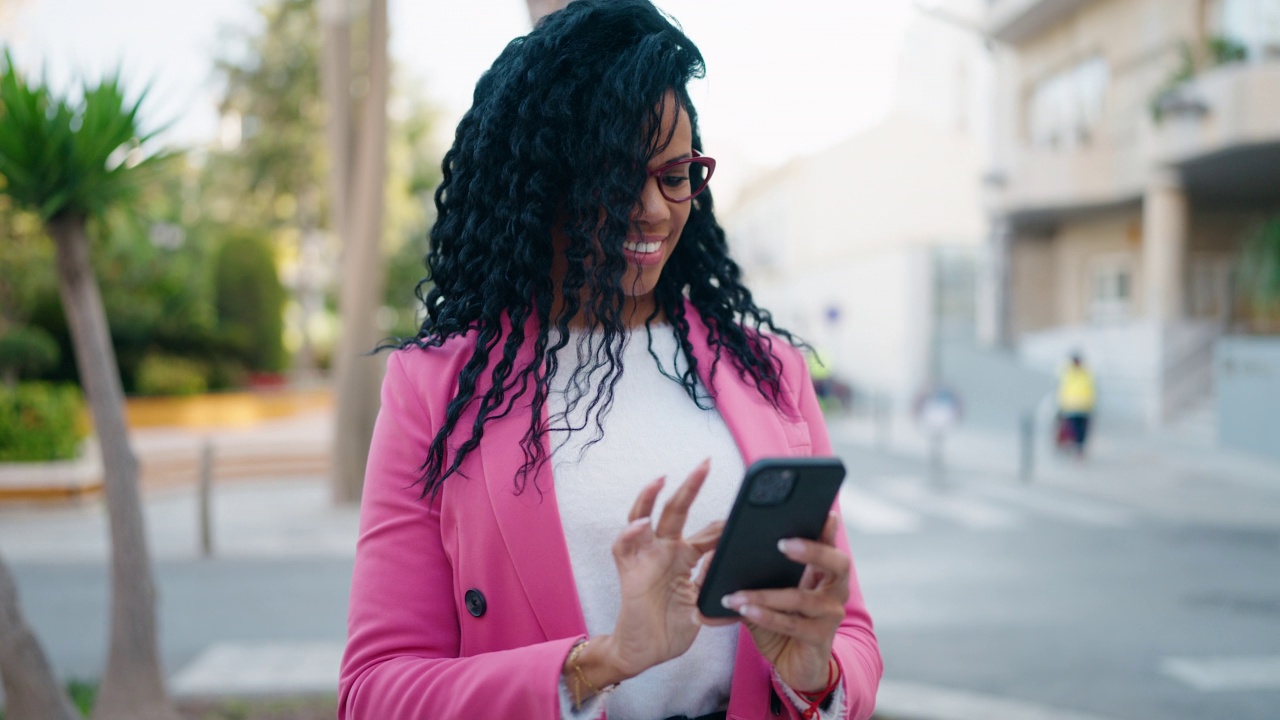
<point x="779" y="498"/>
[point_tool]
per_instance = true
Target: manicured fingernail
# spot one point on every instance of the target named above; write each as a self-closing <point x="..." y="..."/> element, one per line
<point x="790" y="546"/>
<point x="732" y="601"/>
<point x="749" y="611"/>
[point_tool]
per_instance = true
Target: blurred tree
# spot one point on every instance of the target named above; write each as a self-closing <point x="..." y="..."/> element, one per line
<point x="267" y="176"/>
<point x="412" y="177"/>
<point x="356" y="85"/>
<point x="1258" y="278"/>
<point x="67" y="161"/>
<point x="250" y="301"/>
<point x="25" y="351"/>
<point x="30" y="688"/>
<point x="278" y="144"/>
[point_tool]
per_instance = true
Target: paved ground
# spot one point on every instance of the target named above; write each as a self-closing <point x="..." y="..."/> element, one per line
<point x="266" y="613"/>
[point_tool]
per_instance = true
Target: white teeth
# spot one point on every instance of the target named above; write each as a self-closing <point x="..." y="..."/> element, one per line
<point x="642" y="248"/>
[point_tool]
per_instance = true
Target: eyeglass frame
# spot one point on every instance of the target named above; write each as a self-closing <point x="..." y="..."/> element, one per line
<point x="707" y="162"/>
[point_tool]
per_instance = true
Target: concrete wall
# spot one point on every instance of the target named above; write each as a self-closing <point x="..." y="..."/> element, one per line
<point x="1080" y="246"/>
<point x="1125" y="359"/>
<point x="1033" y="293"/>
<point x="880" y="341"/>
<point x="1247" y="384"/>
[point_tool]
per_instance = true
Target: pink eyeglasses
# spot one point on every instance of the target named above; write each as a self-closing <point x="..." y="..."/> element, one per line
<point x="682" y="180"/>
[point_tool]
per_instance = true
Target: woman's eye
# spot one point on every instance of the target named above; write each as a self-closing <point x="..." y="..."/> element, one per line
<point x="675" y="181"/>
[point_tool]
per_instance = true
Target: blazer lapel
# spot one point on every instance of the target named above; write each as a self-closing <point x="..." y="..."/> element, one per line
<point x="756" y="425"/>
<point x="530" y="521"/>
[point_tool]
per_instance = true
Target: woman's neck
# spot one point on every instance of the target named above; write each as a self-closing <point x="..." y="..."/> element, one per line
<point x="636" y="311"/>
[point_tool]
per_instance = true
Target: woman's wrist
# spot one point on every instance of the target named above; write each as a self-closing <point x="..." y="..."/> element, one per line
<point x="810" y="682"/>
<point x="593" y="667"/>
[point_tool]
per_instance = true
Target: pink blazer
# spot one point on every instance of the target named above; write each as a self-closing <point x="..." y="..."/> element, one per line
<point x="467" y="608"/>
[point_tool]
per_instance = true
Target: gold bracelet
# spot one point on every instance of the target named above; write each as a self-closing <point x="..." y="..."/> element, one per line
<point x="581" y="677"/>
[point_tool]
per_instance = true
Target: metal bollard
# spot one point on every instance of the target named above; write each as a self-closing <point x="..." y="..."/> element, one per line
<point x="1027" y="446"/>
<point x="205" y="493"/>
<point x="881" y="414"/>
<point x="937" y="460"/>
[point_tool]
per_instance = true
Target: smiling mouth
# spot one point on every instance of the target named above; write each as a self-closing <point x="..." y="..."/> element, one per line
<point x="642" y="248"/>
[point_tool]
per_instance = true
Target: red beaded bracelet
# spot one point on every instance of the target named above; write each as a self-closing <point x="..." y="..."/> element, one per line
<point x="814" y="699"/>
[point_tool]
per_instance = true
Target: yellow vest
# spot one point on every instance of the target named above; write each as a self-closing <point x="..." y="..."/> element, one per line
<point x="1075" y="391"/>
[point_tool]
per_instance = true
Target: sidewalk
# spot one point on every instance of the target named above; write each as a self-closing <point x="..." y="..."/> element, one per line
<point x="275" y="507"/>
<point x="1177" y="473"/>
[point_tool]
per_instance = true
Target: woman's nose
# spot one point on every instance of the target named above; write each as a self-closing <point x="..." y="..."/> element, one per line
<point x="653" y="206"/>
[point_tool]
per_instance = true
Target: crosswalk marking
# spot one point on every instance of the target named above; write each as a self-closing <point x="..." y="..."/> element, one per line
<point x="898" y="698"/>
<point x="249" y="668"/>
<point x="870" y="514"/>
<point x="967" y="512"/>
<point x="1083" y="511"/>
<point x="1221" y="674"/>
<point x="906" y="504"/>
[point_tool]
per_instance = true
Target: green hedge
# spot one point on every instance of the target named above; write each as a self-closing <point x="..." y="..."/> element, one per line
<point x="249" y="300"/>
<point x="169" y="375"/>
<point x="26" y="351"/>
<point x="40" y="421"/>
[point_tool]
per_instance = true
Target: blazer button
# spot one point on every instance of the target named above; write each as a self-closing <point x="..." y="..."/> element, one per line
<point x="475" y="602"/>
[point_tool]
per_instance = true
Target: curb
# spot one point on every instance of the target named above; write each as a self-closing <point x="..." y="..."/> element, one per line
<point x="899" y="700"/>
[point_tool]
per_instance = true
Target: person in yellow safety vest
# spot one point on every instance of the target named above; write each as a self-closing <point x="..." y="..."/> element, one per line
<point x="1076" y="399"/>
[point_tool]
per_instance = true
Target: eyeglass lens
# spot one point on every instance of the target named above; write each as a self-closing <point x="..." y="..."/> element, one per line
<point x="681" y="181"/>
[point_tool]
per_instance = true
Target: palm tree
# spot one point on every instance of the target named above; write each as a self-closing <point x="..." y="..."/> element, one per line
<point x="30" y="688"/>
<point x="69" y="162"/>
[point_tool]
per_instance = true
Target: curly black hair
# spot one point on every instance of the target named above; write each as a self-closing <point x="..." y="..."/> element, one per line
<point x="559" y="134"/>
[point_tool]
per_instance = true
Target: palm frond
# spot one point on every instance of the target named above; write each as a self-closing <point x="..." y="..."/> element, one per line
<point x="59" y="157"/>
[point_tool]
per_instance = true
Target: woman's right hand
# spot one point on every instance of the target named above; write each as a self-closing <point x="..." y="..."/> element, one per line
<point x="657" y="619"/>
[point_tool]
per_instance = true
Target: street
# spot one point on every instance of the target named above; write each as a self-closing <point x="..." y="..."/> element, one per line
<point x="1084" y="605"/>
<point x="1031" y="598"/>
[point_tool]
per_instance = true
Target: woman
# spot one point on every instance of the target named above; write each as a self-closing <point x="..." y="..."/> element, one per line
<point x="513" y="561"/>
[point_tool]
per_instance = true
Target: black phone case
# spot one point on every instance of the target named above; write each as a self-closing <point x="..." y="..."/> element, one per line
<point x="747" y="556"/>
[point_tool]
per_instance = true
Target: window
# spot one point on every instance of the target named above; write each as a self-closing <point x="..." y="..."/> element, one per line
<point x="1252" y="23"/>
<point x="1065" y="109"/>
<point x="1111" y="289"/>
<point x="1209" y="286"/>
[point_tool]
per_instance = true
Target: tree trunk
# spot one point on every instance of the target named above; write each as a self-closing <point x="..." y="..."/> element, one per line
<point x="31" y="690"/>
<point x="540" y="8"/>
<point x="358" y="214"/>
<point x="132" y="687"/>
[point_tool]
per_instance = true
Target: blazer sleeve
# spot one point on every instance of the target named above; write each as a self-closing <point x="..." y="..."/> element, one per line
<point x="402" y="656"/>
<point x="856" y="649"/>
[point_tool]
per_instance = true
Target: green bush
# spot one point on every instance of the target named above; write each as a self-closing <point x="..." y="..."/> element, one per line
<point x="250" y="301"/>
<point x="27" y="351"/>
<point x="169" y="375"/>
<point x="1225" y="50"/>
<point x="40" y="421"/>
<point x="1258" y="277"/>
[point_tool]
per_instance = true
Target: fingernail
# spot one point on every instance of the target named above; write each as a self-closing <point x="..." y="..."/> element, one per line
<point x="732" y="601"/>
<point x="749" y="611"/>
<point x="697" y="617"/>
<point x="790" y="546"/>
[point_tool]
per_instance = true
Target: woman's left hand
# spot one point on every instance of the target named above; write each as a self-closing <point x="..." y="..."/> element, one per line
<point x="794" y="627"/>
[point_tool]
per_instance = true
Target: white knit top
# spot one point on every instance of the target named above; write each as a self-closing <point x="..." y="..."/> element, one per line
<point x="653" y="428"/>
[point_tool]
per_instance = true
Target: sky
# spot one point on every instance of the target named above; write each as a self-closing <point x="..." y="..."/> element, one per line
<point x="784" y="79"/>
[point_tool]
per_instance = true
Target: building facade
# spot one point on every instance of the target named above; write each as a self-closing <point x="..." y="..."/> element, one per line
<point x="1136" y="143"/>
<point x="863" y="248"/>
